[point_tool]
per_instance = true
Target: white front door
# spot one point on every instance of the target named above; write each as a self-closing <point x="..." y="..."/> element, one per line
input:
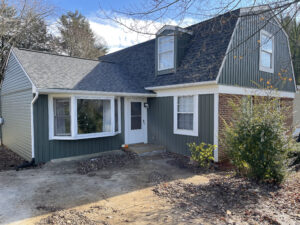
<point x="135" y="120"/>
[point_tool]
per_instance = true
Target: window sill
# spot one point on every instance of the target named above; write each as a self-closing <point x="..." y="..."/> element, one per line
<point x="186" y="132"/>
<point x="265" y="69"/>
<point x="84" y="136"/>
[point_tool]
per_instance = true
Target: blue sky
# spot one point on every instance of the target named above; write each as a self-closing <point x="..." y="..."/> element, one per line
<point x="88" y="7"/>
<point x="116" y="36"/>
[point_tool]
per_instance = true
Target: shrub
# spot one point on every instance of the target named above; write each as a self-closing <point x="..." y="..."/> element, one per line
<point x="202" y="153"/>
<point x="257" y="139"/>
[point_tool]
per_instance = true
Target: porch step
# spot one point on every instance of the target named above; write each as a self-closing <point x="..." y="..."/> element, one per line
<point x="146" y="149"/>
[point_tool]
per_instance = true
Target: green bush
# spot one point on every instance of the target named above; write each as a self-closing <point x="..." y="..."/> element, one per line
<point x="257" y="140"/>
<point x="202" y="153"/>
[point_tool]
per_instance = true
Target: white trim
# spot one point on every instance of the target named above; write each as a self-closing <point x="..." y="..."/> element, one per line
<point x="32" y="124"/>
<point x="119" y="115"/>
<point x="33" y="86"/>
<point x="73" y="105"/>
<point x="154" y="88"/>
<point x="228" y="48"/>
<point x="171" y="27"/>
<point x="89" y="93"/>
<point x="225" y="89"/>
<point x="216" y="126"/>
<point x="253" y="91"/>
<point x="193" y="132"/>
<point x="271" y="37"/>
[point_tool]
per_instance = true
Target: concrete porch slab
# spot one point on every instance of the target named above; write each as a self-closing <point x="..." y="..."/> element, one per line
<point x="146" y="149"/>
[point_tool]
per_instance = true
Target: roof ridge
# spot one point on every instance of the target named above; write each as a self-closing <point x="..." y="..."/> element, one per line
<point x="56" y="54"/>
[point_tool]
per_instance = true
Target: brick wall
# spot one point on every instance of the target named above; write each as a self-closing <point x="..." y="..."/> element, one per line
<point x="225" y="114"/>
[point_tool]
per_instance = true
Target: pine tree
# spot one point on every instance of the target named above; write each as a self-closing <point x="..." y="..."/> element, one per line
<point x="77" y="38"/>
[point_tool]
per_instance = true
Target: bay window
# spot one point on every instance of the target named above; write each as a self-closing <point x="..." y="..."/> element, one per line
<point x="266" y="52"/>
<point x="186" y="115"/>
<point x="77" y="117"/>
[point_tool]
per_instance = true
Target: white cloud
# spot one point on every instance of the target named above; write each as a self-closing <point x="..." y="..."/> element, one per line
<point x="117" y="36"/>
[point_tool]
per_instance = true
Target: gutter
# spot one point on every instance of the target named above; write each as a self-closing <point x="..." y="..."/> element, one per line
<point x="181" y="85"/>
<point x="32" y="124"/>
<point x="67" y="91"/>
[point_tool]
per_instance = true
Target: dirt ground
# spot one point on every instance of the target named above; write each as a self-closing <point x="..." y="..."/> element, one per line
<point x="150" y="190"/>
<point x="8" y="159"/>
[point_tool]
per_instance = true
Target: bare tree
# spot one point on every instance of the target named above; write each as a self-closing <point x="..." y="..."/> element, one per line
<point x="22" y="25"/>
<point x="150" y="15"/>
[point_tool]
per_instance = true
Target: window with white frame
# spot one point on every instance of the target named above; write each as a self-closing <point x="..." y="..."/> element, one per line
<point x="62" y="116"/>
<point x="166" y="52"/>
<point x="76" y="117"/>
<point x="186" y="115"/>
<point x="266" y="52"/>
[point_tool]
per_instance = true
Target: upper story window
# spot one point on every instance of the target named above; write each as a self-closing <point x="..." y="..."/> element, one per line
<point x="166" y="52"/>
<point x="266" y="52"/>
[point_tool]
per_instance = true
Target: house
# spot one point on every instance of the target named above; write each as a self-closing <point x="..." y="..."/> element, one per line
<point x="296" y="114"/>
<point x="171" y="90"/>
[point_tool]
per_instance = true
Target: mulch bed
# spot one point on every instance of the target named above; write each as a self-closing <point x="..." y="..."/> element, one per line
<point x="234" y="200"/>
<point x="8" y="159"/>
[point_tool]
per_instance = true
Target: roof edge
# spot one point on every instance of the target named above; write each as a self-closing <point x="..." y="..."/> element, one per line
<point x="181" y="85"/>
<point x="23" y="69"/>
<point x="85" y="92"/>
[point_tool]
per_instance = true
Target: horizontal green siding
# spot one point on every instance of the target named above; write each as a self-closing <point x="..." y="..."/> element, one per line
<point x="241" y="67"/>
<point x="46" y="149"/>
<point x="160" y="124"/>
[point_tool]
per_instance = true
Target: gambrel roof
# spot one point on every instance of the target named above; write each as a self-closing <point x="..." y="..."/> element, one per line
<point x="133" y="69"/>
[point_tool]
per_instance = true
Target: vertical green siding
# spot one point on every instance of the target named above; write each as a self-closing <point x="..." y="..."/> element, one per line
<point x="241" y="67"/>
<point x="46" y="149"/>
<point x="160" y="124"/>
<point x="16" y="97"/>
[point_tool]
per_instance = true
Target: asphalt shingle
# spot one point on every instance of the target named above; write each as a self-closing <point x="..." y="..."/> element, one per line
<point x="133" y="69"/>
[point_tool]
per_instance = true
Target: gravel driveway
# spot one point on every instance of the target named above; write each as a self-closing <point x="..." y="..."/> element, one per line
<point x="55" y="186"/>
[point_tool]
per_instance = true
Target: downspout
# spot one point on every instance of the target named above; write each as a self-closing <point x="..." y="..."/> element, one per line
<point x="32" y="124"/>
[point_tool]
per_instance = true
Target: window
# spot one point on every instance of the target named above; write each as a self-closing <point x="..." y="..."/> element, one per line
<point x="186" y="115"/>
<point x="75" y="117"/>
<point x="266" y="52"/>
<point x="93" y="116"/>
<point x="136" y="115"/>
<point x="165" y="52"/>
<point x="62" y="117"/>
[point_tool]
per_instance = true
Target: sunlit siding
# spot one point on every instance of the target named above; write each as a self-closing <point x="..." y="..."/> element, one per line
<point x="16" y="97"/>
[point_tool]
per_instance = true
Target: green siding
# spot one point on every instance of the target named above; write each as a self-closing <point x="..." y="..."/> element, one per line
<point x="244" y="71"/>
<point x="160" y="124"/>
<point x="46" y="149"/>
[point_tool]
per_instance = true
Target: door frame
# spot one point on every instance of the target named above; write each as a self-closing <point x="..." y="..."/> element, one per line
<point x="127" y="101"/>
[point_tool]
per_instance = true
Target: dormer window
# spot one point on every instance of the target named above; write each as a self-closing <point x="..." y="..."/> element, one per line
<point x="165" y="52"/>
<point x="266" y="61"/>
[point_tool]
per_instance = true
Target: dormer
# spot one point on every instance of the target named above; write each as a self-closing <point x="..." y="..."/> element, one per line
<point x="170" y="47"/>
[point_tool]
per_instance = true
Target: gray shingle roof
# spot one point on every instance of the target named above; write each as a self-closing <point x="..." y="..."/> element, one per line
<point x="133" y="69"/>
